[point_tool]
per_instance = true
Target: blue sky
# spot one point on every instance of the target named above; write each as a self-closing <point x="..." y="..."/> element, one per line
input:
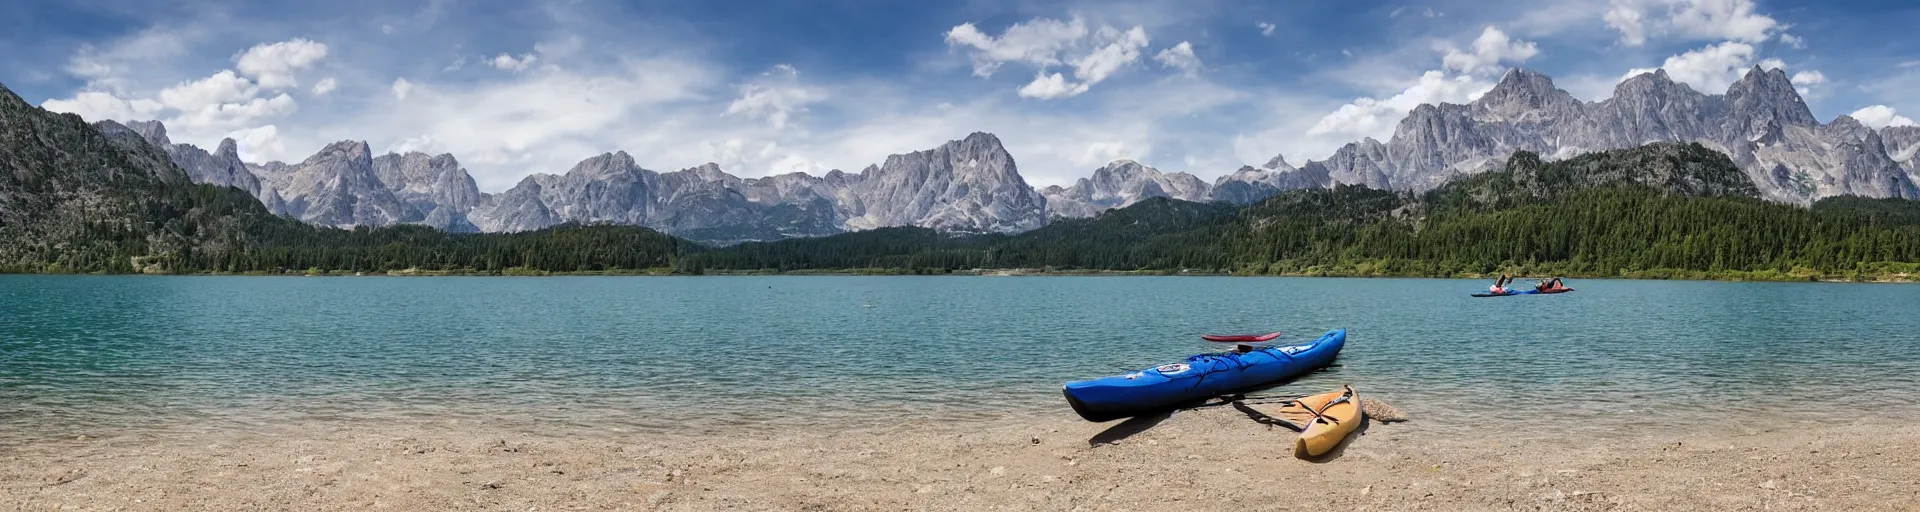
<point x="763" y="87"/>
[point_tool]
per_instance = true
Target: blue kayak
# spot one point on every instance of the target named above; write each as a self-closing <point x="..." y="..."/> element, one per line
<point x="1202" y="376"/>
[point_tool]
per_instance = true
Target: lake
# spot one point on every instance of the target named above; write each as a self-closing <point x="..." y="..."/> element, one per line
<point x="133" y="353"/>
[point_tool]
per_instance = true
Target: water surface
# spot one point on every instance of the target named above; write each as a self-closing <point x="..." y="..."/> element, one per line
<point x="92" y="353"/>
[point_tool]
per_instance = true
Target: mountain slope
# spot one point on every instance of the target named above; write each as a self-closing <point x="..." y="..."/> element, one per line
<point x="1760" y="122"/>
<point x="1120" y="184"/>
<point x="1665" y="209"/>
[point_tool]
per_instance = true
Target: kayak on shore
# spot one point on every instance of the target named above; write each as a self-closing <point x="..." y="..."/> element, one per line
<point x="1201" y="376"/>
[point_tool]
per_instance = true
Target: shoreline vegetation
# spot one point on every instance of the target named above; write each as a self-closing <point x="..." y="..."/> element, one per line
<point x="1882" y="273"/>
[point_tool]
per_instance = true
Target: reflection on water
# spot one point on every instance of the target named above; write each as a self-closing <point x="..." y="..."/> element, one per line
<point x="81" y="353"/>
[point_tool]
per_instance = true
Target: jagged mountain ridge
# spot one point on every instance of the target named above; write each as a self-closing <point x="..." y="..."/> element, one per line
<point x="972" y="185"/>
<point x="1121" y="184"/>
<point x="1761" y="122"/>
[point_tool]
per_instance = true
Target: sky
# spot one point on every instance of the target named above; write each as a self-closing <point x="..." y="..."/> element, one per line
<point x="767" y="87"/>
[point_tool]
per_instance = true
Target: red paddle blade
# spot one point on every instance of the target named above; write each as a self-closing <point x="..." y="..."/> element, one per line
<point x="1240" y="338"/>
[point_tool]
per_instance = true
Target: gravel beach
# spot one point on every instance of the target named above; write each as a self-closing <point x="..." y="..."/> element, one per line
<point x="1209" y="459"/>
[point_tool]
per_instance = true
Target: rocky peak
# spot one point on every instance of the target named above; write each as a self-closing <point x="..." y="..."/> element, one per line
<point x="1764" y="95"/>
<point x="1522" y="90"/>
<point x="604" y="165"/>
<point x="354" y="151"/>
<point x="228" y="150"/>
<point x="153" y="131"/>
<point x="1656" y="83"/>
<point x="1278" y="163"/>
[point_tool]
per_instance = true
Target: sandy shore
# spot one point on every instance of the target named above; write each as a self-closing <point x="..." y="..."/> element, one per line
<point x="1208" y="459"/>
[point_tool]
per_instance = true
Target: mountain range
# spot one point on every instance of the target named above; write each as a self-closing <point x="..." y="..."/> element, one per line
<point x="974" y="185"/>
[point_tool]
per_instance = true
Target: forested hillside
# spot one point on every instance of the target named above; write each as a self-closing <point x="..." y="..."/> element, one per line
<point x="76" y="197"/>
<point x="1661" y="210"/>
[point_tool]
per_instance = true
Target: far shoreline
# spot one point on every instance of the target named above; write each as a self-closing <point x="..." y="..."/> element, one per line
<point x="1650" y="275"/>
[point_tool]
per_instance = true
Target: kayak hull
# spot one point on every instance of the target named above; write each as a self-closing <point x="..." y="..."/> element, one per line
<point x="1335" y="419"/>
<point x="1199" y="377"/>
<point x="1524" y="292"/>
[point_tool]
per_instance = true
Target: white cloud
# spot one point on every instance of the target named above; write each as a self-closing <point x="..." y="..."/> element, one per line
<point x="1047" y="86"/>
<point x="259" y="144"/>
<point x="1038" y="42"/>
<point x="226" y="117"/>
<point x="458" y="62"/>
<point x="1773" y="63"/>
<point x="504" y="129"/>
<point x="1043" y="43"/>
<point x="97" y="106"/>
<point x="1121" y="48"/>
<point x="1490" y="50"/>
<point x="1180" y="57"/>
<point x="1710" y="70"/>
<point x="775" y="97"/>
<point x="1880" y="116"/>
<point x="1375" y="117"/>
<point x="402" y="88"/>
<point x="274" y="65"/>
<point x="1689" y="20"/>
<point x="1792" y="40"/>
<point x="222" y="87"/>
<point x="325" y="86"/>
<point x="1808" y="83"/>
<point x="1104" y="152"/>
<point x="1266" y="29"/>
<point x="511" y="63"/>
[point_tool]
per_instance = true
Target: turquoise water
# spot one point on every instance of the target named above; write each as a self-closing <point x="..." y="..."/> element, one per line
<point x="86" y="353"/>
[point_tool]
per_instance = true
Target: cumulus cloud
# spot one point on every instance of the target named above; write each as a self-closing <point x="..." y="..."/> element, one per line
<point x="1266" y="29"/>
<point x="1180" y="57"/>
<point x="1038" y="42"/>
<point x="259" y="144"/>
<point x="273" y="65"/>
<point x="101" y="106"/>
<point x="1046" y="86"/>
<point x="1376" y="117"/>
<point x="1793" y="40"/>
<point x="197" y="111"/>
<point x="222" y="87"/>
<point x="1094" y="54"/>
<point x="226" y="117"/>
<point x="325" y="86"/>
<point x="1120" y="49"/>
<point x="1489" y="51"/>
<point x="1880" y="116"/>
<point x="402" y="88"/>
<point x="1103" y="152"/>
<point x="511" y="63"/>
<point x="1710" y="69"/>
<point x="774" y="97"/>
<point x="1690" y="20"/>
<point x="1806" y="81"/>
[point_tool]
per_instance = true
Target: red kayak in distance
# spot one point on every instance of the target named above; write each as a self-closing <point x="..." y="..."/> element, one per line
<point x="1241" y="338"/>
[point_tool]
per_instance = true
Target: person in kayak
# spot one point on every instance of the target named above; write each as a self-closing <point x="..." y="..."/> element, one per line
<point x="1550" y="284"/>
<point x="1500" y="285"/>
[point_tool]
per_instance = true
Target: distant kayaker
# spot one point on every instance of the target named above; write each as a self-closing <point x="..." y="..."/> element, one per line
<point x="1500" y="285"/>
<point x="1550" y="284"/>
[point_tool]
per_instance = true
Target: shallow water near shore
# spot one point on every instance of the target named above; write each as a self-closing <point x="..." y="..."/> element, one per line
<point x="94" y="354"/>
